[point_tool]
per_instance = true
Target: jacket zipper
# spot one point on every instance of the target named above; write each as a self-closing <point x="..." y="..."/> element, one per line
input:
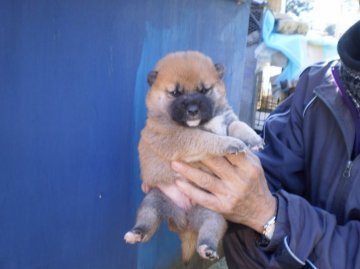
<point x="340" y="193"/>
<point x="340" y="197"/>
<point x="347" y="171"/>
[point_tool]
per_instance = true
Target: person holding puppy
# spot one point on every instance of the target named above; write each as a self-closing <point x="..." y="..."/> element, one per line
<point x="295" y="204"/>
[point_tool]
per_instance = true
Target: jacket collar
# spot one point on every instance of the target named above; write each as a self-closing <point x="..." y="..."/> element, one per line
<point x="331" y="97"/>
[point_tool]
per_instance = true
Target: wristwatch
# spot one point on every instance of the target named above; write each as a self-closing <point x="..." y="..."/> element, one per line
<point x="269" y="228"/>
<point x="263" y="239"/>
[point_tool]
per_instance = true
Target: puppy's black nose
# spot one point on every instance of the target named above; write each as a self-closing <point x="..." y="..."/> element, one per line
<point x="192" y="109"/>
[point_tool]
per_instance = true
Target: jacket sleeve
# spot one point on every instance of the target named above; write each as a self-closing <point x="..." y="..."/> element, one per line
<point x="305" y="236"/>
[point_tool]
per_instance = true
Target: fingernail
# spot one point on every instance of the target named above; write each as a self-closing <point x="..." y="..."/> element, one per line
<point x="176" y="165"/>
<point x="179" y="183"/>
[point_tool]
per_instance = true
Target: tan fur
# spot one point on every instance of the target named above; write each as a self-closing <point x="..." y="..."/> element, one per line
<point x="188" y="244"/>
<point x="188" y="69"/>
<point x="164" y="140"/>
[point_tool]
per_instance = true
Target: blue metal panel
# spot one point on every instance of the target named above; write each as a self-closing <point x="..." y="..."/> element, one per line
<point x="72" y="87"/>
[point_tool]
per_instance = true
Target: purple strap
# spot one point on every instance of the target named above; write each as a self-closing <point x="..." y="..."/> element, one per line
<point x="349" y="103"/>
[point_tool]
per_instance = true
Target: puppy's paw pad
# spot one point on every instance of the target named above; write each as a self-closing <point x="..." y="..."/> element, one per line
<point x="207" y="253"/>
<point x="134" y="236"/>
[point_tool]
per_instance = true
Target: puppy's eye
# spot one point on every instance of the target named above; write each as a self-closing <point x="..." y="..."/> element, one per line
<point x="175" y="93"/>
<point x="204" y="90"/>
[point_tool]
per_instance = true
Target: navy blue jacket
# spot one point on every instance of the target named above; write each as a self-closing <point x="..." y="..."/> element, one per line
<point x="308" y="165"/>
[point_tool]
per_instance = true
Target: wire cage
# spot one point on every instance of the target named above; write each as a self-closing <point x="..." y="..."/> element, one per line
<point x="256" y="12"/>
<point x="269" y="64"/>
<point x="255" y="22"/>
<point x="268" y="94"/>
<point x="265" y="100"/>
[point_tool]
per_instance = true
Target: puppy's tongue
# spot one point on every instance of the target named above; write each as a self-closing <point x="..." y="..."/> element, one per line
<point x="193" y="123"/>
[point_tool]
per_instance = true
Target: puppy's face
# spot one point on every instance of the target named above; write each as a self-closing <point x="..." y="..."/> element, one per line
<point x="186" y="86"/>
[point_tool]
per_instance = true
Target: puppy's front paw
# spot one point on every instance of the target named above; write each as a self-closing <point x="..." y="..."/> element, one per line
<point x="207" y="253"/>
<point x="235" y="146"/>
<point x="246" y="134"/>
<point x="134" y="236"/>
<point x="255" y="143"/>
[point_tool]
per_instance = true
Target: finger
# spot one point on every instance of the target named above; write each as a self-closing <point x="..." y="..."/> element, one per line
<point x="178" y="197"/>
<point x="145" y="187"/>
<point x="221" y="167"/>
<point x="237" y="159"/>
<point x="243" y="159"/>
<point x="196" y="195"/>
<point x="199" y="177"/>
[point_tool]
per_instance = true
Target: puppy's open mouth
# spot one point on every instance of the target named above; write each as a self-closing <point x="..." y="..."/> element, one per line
<point x="193" y="123"/>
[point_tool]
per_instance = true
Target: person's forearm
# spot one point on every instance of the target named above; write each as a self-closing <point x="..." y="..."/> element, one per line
<point x="303" y="235"/>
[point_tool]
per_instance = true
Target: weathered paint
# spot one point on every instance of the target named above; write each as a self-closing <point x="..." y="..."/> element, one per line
<point x="72" y="88"/>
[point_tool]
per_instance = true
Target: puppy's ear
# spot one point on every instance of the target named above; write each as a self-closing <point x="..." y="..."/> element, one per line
<point x="220" y="70"/>
<point x="152" y="77"/>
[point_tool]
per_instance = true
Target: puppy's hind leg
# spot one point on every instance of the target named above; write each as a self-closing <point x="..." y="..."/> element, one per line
<point x="154" y="208"/>
<point x="211" y="228"/>
<point x="148" y="218"/>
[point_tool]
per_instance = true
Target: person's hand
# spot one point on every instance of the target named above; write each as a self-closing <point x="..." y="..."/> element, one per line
<point x="237" y="189"/>
<point x="173" y="192"/>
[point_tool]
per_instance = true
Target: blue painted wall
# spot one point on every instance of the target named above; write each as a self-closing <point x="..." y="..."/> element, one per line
<point x="72" y="87"/>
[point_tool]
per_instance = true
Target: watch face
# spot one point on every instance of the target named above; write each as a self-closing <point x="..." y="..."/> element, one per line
<point x="269" y="228"/>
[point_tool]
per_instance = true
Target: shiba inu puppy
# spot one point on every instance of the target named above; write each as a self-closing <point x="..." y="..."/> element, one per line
<point x="189" y="119"/>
